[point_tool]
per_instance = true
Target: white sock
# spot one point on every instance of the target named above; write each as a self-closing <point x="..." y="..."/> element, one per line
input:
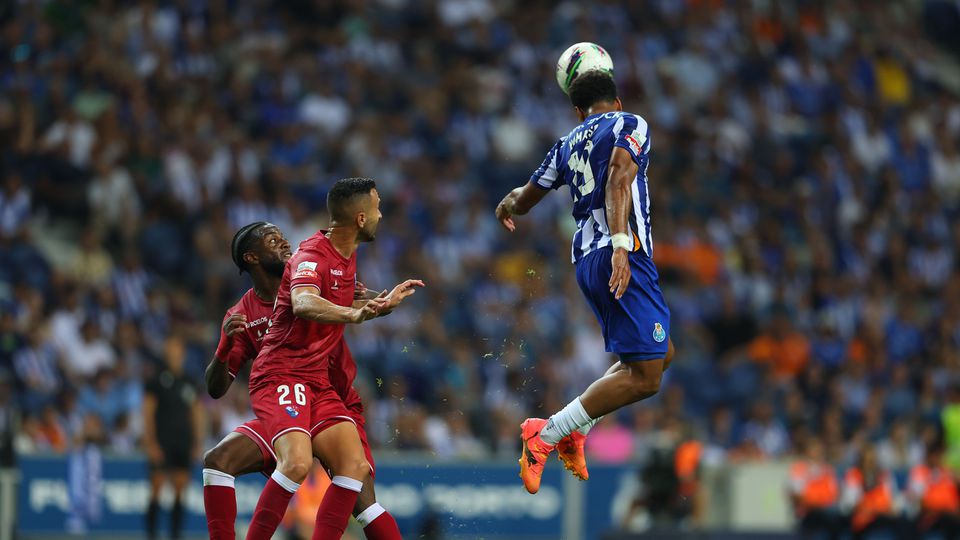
<point x="371" y="513"/>
<point x="347" y="483"/>
<point x="586" y="429"/>
<point x="285" y="482"/>
<point x="213" y="477"/>
<point x="563" y="423"/>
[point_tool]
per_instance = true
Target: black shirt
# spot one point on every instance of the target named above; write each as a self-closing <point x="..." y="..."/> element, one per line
<point x="175" y="396"/>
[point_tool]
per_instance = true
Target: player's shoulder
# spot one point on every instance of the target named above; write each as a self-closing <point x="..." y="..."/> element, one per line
<point x="240" y="305"/>
<point x="311" y="249"/>
<point x="252" y="305"/>
<point x="626" y="119"/>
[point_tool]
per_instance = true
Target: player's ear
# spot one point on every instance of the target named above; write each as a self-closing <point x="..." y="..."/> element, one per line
<point x="580" y="114"/>
<point x="251" y="258"/>
<point x="361" y="219"/>
<point x="619" y="104"/>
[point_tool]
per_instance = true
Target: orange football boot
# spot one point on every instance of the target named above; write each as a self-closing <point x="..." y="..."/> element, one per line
<point x="535" y="453"/>
<point x="570" y="453"/>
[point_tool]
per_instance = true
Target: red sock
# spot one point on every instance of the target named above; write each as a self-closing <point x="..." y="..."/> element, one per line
<point x="220" y="504"/>
<point x="378" y="524"/>
<point x="271" y="506"/>
<point x="335" y="508"/>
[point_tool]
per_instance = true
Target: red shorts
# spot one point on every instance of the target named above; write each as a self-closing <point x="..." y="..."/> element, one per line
<point x="285" y="403"/>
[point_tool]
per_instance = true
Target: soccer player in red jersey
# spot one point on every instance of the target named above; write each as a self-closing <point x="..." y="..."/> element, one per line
<point x="304" y="357"/>
<point x="261" y="250"/>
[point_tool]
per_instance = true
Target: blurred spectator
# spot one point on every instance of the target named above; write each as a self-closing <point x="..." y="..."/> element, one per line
<point x="104" y="398"/>
<point x="86" y="477"/>
<point x="900" y="451"/>
<point x="869" y="495"/>
<point x="130" y="282"/>
<point x="780" y="347"/>
<point x="765" y="431"/>
<point x="112" y="198"/>
<point x="933" y="488"/>
<point x="91" y="354"/>
<point x="37" y="365"/>
<point x="92" y="265"/>
<point x="14" y="209"/>
<point x="814" y="492"/>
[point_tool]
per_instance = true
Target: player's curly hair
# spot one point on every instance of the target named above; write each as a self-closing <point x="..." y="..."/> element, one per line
<point x="344" y="193"/>
<point x="591" y="88"/>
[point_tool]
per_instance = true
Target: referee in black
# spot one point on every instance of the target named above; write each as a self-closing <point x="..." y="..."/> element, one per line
<point x="172" y="433"/>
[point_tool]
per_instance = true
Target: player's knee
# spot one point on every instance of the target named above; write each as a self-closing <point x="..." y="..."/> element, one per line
<point x="357" y="468"/>
<point x="295" y="469"/>
<point x="644" y="388"/>
<point x="218" y="460"/>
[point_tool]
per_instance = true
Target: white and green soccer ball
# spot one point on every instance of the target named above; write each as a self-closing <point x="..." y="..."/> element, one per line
<point x="579" y="59"/>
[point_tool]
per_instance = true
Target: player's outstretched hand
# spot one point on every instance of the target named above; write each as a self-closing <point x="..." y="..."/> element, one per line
<point x="233" y="325"/>
<point x="504" y="215"/>
<point x="620" y="277"/>
<point x="400" y="293"/>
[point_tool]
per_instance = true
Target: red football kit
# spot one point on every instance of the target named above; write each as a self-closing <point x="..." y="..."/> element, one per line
<point x="247" y="344"/>
<point x="302" y="378"/>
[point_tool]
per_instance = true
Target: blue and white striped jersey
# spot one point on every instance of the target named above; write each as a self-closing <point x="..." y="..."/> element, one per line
<point x="580" y="159"/>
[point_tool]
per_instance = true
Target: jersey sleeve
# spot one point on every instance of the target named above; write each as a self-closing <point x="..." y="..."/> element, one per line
<point x="307" y="270"/>
<point x="547" y="175"/>
<point x="633" y="135"/>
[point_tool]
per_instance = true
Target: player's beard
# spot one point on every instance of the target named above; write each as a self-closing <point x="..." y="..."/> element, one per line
<point x="274" y="267"/>
<point x="368" y="233"/>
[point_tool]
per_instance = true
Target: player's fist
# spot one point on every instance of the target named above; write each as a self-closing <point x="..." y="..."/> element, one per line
<point x="233" y="325"/>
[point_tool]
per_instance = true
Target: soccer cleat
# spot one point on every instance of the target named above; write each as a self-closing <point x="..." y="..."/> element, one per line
<point x="570" y="453"/>
<point x="535" y="453"/>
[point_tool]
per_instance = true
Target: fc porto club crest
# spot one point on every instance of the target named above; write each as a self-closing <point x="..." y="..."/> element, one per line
<point x="658" y="333"/>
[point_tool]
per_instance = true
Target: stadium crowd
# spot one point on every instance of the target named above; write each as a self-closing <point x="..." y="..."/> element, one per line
<point x="805" y="187"/>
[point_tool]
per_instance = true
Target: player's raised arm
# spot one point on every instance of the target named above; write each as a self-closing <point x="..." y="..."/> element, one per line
<point x="217" y="375"/>
<point x="308" y="304"/>
<point x="519" y="201"/>
<point x="622" y="171"/>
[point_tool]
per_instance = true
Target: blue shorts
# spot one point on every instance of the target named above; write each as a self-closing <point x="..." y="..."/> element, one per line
<point x="636" y="327"/>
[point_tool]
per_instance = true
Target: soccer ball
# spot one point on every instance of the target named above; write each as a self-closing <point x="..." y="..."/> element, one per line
<point x="581" y="58"/>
